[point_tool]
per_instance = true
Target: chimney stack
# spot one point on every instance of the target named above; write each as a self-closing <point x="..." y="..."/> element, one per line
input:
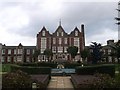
<point x="83" y="35"/>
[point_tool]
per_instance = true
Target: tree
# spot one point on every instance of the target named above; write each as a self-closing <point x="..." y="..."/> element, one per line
<point x="16" y="80"/>
<point x="116" y="49"/>
<point x="48" y="53"/>
<point x="96" y="52"/>
<point x="35" y="55"/>
<point x="73" y="51"/>
<point x="84" y="54"/>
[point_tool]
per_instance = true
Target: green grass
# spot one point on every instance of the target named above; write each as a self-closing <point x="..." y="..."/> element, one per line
<point x="117" y="67"/>
<point x="6" y="67"/>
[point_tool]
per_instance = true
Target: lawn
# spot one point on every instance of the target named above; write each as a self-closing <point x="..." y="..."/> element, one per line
<point x="5" y="67"/>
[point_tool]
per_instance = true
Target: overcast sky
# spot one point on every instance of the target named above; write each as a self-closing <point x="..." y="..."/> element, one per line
<point x="20" y="21"/>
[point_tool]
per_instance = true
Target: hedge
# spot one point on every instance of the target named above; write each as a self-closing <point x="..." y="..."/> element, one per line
<point x="91" y="70"/>
<point x="71" y="65"/>
<point x="32" y="70"/>
<point x="40" y="64"/>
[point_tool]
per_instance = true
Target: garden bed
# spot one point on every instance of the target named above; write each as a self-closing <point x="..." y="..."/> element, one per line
<point x="41" y="80"/>
<point x="82" y="81"/>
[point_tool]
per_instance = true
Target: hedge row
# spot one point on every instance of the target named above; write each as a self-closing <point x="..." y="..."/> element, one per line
<point x="71" y="65"/>
<point x="90" y="70"/>
<point x="49" y="64"/>
<point x="42" y="64"/>
<point x="32" y="70"/>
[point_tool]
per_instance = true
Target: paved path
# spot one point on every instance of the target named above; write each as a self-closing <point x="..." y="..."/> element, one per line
<point x="60" y="82"/>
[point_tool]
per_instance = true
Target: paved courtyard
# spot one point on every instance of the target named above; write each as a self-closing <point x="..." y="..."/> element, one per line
<point x="60" y="82"/>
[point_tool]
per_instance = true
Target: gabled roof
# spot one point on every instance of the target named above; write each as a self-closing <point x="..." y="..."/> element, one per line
<point x="75" y="29"/>
<point x="43" y="29"/>
<point x="60" y="29"/>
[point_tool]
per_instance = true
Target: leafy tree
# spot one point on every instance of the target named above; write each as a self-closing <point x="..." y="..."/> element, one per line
<point x="84" y="54"/>
<point x="35" y="55"/>
<point x="116" y="49"/>
<point x="16" y="80"/>
<point x="48" y="53"/>
<point x="73" y="51"/>
<point x="96" y="52"/>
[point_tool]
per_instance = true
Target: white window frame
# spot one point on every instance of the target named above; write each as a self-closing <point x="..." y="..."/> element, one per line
<point x="57" y="33"/>
<point x="54" y="40"/>
<point x="76" y="33"/>
<point x="43" y="33"/>
<point x="77" y="43"/>
<point x="9" y="59"/>
<point x="43" y="44"/>
<point x="19" y="58"/>
<point x="33" y="51"/>
<point x="60" y="49"/>
<point x="28" y="51"/>
<point x="14" y="59"/>
<point x="2" y="59"/>
<point x="27" y="59"/>
<point x="109" y="51"/>
<point x="65" y="40"/>
<point x="61" y="33"/>
<point x="15" y="51"/>
<point x="65" y="49"/>
<point x="3" y="51"/>
<point x="54" y="49"/>
<point x="60" y="40"/>
<point x="9" y="51"/>
<point x="20" y="51"/>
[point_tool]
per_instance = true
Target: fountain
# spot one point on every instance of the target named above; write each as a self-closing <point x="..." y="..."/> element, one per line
<point x="60" y="66"/>
<point x="61" y="70"/>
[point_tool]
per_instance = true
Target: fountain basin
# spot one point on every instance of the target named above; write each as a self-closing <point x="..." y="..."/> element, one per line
<point x="61" y="72"/>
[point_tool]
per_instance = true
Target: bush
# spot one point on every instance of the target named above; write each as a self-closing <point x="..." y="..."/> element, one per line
<point x="14" y="80"/>
<point x="103" y="81"/>
<point x="90" y="70"/>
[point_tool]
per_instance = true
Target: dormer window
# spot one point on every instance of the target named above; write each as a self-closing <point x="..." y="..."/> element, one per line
<point x="43" y="33"/>
<point x="76" y="33"/>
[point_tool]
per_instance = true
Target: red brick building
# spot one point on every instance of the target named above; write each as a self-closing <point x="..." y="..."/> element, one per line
<point x="14" y="54"/>
<point x="59" y="41"/>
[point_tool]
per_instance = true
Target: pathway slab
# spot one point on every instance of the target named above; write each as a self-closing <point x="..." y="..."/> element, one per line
<point x="60" y="83"/>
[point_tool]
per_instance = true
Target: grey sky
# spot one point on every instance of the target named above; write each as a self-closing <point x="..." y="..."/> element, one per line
<point x="21" y="21"/>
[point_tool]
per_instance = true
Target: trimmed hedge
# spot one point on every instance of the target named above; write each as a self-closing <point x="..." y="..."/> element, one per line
<point x="40" y="64"/>
<point x="91" y="70"/>
<point x="32" y="70"/>
<point x="71" y="65"/>
<point x="47" y="64"/>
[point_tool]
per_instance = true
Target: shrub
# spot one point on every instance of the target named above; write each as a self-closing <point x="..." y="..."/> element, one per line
<point x="16" y="80"/>
<point x="103" y="81"/>
<point x="90" y="70"/>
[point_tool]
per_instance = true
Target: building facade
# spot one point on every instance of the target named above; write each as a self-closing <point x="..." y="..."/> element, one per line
<point x="16" y="54"/>
<point x="59" y="41"/>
